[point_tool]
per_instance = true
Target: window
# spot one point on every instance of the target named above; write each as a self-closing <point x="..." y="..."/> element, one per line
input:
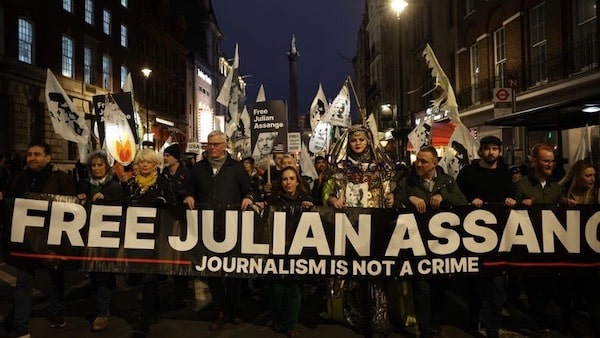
<point x="124" y="36"/>
<point x="500" y="58"/>
<point x="539" y="72"/>
<point x="25" y="33"/>
<point x="124" y="3"/>
<point x="67" y="56"/>
<point x="89" y="11"/>
<point x="106" y="22"/>
<point x="469" y="7"/>
<point x="107" y="72"/>
<point x="585" y="35"/>
<point x="124" y="72"/>
<point x="88" y="65"/>
<point x="474" y="56"/>
<point x="68" y="5"/>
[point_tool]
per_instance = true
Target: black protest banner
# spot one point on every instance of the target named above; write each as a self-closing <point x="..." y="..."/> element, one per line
<point x="320" y="242"/>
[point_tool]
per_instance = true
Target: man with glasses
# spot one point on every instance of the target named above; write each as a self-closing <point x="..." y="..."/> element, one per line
<point x="219" y="182"/>
<point x="539" y="188"/>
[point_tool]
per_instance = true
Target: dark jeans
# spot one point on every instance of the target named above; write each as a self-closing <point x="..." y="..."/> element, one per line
<point x="490" y="290"/>
<point x="150" y="301"/>
<point x="103" y="283"/>
<point x="285" y="303"/>
<point x="429" y="302"/>
<point x="24" y="295"/>
<point x="226" y="294"/>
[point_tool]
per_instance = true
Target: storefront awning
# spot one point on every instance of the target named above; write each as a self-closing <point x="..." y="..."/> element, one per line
<point x="556" y="116"/>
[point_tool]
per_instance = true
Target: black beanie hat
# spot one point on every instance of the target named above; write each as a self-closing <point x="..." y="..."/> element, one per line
<point x="173" y="150"/>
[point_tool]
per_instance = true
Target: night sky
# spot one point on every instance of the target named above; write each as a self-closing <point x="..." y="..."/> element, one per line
<point x="263" y="29"/>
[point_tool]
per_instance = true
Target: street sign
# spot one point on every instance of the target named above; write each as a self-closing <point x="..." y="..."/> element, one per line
<point x="503" y="102"/>
<point x="502" y="95"/>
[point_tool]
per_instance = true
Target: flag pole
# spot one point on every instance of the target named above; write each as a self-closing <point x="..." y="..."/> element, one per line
<point x="360" y="109"/>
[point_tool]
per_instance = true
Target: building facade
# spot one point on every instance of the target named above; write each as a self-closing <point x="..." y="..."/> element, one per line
<point x="545" y="53"/>
<point x="91" y="46"/>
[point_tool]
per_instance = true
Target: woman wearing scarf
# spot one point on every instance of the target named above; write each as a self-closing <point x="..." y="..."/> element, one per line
<point x="148" y="189"/>
<point x="100" y="188"/>
<point x="362" y="177"/>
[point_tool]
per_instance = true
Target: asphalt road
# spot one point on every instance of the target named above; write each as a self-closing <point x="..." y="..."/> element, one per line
<point x="193" y="321"/>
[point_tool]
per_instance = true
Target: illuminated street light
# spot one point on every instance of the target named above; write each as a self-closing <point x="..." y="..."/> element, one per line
<point x="398" y="6"/>
<point x="146" y="71"/>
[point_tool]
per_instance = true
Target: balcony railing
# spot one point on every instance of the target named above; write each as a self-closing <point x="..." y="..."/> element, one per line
<point x="580" y="57"/>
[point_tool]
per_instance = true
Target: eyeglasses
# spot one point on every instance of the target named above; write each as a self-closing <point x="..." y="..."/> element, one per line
<point x="214" y="144"/>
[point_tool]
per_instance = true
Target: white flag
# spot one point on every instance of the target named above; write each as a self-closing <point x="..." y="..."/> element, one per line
<point x="230" y="94"/>
<point x="307" y="165"/>
<point x="66" y="120"/>
<point x="372" y="125"/>
<point x="244" y="124"/>
<point x="119" y="139"/>
<point x="446" y="100"/>
<point x="584" y="149"/>
<point x="461" y="151"/>
<point x="320" y="139"/>
<point x="128" y="88"/>
<point x="338" y="113"/>
<point x="261" y="96"/>
<point x="421" y="135"/>
<point x="318" y="108"/>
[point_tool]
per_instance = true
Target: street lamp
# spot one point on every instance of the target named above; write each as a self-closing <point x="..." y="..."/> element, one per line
<point x="398" y="7"/>
<point x="146" y="72"/>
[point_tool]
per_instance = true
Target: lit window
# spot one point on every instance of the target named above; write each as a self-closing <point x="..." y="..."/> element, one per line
<point x="67" y="56"/>
<point x="500" y="58"/>
<point x="68" y="5"/>
<point x="124" y="72"/>
<point x="25" y="33"/>
<point x="89" y="11"/>
<point x="106" y="72"/>
<point x="539" y="71"/>
<point x="475" y="90"/>
<point x="88" y="65"/>
<point x="106" y="22"/>
<point x="123" y="35"/>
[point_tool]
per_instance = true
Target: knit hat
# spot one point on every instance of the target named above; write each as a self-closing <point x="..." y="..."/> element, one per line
<point x="490" y="140"/>
<point x="173" y="150"/>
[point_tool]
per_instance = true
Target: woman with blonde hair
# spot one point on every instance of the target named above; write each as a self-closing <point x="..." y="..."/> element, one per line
<point x="148" y="189"/>
<point x="579" y="184"/>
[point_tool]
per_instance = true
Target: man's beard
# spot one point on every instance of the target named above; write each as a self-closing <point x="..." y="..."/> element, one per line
<point x="490" y="162"/>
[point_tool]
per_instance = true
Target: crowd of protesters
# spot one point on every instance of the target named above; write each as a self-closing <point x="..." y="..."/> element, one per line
<point x="357" y="174"/>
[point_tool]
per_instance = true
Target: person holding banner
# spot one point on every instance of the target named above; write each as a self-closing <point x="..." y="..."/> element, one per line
<point x="539" y="188"/>
<point x="42" y="177"/>
<point x="483" y="182"/>
<point x="220" y="182"/>
<point x="323" y="170"/>
<point x="361" y="177"/>
<point x="580" y="188"/>
<point x="177" y="174"/>
<point x="98" y="188"/>
<point x="427" y="188"/>
<point x="286" y="294"/>
<point x="148" y="189"/>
